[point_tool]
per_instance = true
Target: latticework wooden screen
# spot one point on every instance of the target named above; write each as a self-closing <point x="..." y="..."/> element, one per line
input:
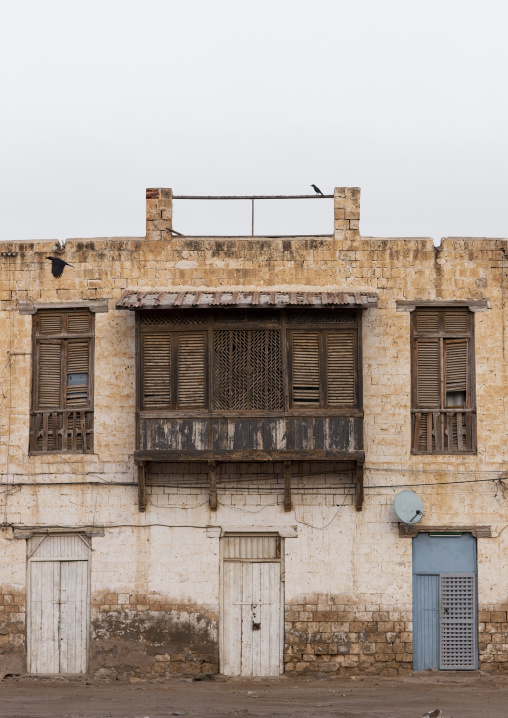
<point x="247" y="370"/>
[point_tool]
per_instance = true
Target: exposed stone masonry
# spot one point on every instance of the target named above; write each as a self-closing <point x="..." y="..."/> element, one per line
<point x="324" y="634"/>
<point x="493" y="637"/>
<point x="12" y="631"/>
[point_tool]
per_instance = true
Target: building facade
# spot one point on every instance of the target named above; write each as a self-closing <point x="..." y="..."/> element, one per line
<point x="201" y="441"/>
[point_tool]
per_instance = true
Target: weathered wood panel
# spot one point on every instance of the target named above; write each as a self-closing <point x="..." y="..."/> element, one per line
<point x="331" y="433"/>
<point x="252" y="596"/>
<point x="268" y="434"/>
<point x="265" y="434"/>
<point x="173" y="434"/>
<point x="58" y="605"/>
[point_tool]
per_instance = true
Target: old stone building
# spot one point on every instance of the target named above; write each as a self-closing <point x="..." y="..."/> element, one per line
<point x="201" y="441"/>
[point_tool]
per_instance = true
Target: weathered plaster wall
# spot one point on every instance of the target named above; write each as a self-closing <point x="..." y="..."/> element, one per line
<point x="156" y="585"/>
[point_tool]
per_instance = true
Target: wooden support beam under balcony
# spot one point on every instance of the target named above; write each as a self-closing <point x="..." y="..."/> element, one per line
<point x="212" y="470"/>
<point x="359" y="494"/>
<point x="287" y="486"/>
<point x="247" y="455"/>
<point x="142" y="497"/>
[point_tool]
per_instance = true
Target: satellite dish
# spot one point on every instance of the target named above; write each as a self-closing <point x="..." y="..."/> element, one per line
<point x="408" y="507"/>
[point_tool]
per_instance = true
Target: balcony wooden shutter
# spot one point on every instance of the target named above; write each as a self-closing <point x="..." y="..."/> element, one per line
<point x="77" y="373"/>
<point x="340" y="368"/>
<point x="156" y="367"/>
<point x="191" y="375"/>
<point x="305" y="369"/>
<point x="428" y="380"/>
<point x="49" y="377"/>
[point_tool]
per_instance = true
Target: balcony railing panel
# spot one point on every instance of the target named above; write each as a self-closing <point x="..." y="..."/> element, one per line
<point x="267" y="435"/>
<point x="61" y="431"/>
<point x="448" y="431"/>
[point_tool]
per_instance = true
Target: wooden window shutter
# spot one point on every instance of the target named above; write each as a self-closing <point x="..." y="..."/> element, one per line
<point x="340" y="368"/>
<point x="427" y="322"/>
<point x="79" y="322"/>
<point x="156" y="388"/>
<point x="49" y="375"/>
<point x="456" y="371"/>
<point x="78" y="373"/>
<point x="428" y="374"/>
<point x="456" y="322"/>
<point x="191" y="375"/>
<point x="305" y="369"/>
<point x="50" y="323"/>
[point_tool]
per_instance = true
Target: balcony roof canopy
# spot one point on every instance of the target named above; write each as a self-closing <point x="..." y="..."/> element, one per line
<point x="269" y="298"/>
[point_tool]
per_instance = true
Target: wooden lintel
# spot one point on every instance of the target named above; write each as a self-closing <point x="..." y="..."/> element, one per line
<point x="359" y="486"/>
<point x="142" y="486"/>
<point x="212" y="471"/>
<point x="412" y="530"/>
<point x="287" y="486"/>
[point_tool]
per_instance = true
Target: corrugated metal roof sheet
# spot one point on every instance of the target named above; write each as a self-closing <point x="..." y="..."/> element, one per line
<point x="261" y="298"/>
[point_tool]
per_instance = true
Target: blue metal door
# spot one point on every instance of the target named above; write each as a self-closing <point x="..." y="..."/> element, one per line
<point x="435" y="559"/>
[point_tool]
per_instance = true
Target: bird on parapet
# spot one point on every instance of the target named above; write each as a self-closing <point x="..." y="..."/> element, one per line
<point x="317" y="190"/>
<point x="58" y="265"/>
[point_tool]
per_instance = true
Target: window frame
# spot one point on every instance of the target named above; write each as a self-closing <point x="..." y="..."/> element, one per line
<point x="62" y="338"/>
<point x="444" y="339"/>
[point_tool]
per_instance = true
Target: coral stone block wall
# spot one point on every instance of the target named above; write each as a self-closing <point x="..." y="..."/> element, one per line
<point x="12" y="630"/>
<point x="348" y="639"/>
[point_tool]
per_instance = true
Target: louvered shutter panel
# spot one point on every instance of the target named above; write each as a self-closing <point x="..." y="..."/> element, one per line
<point x="191" y="375"/>
<point x="456" y="365"/>
<point x="427" y="322"/>
<point x="78" y="323"/>
<point x="77" y="379"/>
<point x="50" y="323"/>
<point x="340" y="368"/>
<point x="156" y="370"/>
<point x="457" y="322"/>
<point x="49" y="380"/>
<point x="428" y="384"/>
<point x="305" y="368"/>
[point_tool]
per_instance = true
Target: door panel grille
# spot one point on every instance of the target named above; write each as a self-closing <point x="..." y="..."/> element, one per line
<point x="457" y="604"/>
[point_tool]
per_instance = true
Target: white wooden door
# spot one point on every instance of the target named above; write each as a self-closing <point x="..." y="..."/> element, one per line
<point x="252" y="616"/>
<point x="58" y="605"/>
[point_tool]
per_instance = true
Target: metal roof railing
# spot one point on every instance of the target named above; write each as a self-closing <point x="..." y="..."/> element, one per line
<point x="253" y="197"/>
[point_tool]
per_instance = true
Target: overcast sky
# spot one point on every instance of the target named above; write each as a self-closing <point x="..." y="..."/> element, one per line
<point x="406" y="99"/>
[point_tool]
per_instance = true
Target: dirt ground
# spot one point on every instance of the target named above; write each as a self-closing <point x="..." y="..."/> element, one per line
<point x="457" y="695"/>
